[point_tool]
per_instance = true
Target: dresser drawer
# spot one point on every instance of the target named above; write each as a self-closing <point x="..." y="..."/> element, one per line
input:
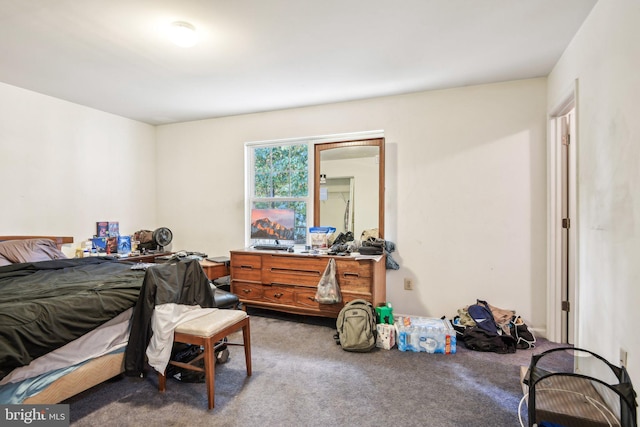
<point x="350" y="296"/>
<point x="287" y="270"/>
<point x="353" y="269"/>
<point x="278" y="294"/>
<point x="251" y="291"/>
<point x="296" y="262"/>
<point x="246" y="267"/>
<point x="246" y="260"/>
<point x="305" y="298"/>
<point x="355" y="284"/>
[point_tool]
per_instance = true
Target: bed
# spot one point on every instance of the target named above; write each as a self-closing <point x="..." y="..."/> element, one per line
<point x="52" y="309"/>
<point x="68" y="324"/>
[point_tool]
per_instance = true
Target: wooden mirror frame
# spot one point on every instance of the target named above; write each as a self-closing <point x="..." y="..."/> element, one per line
<point x="319" y="148"/>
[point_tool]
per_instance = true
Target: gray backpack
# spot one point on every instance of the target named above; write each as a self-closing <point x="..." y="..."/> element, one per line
<point x="356" y="326"/>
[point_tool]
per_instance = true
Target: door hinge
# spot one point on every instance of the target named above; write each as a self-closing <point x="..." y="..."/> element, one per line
<point x="566" y="306"/>
<point x="566" y="139"/>
<point x="566" y="223"/>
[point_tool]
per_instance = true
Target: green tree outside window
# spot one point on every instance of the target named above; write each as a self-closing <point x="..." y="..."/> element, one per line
<point x="281" y="181"/>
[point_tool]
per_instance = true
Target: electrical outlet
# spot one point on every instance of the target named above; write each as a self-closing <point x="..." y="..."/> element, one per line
<point x="623" y="357"/>
<point x="408" y="284"/>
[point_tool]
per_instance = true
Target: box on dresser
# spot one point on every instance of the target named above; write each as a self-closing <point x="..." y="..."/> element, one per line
<point x="288" y="281"/>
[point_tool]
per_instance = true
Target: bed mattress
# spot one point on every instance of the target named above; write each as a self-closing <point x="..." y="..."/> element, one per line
<point x="46" y="305"/>
<point x="108" y="339"/>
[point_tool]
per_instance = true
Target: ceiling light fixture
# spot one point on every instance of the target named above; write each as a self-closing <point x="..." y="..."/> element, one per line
<point x="183" y="34"/>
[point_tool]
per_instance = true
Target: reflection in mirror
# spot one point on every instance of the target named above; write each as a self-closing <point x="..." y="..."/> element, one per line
<point x="349" y="186"/>
<point x="337" y="201"/>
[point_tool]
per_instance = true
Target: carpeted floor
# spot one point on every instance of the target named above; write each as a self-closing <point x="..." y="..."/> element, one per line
<point x="302" y="378"/>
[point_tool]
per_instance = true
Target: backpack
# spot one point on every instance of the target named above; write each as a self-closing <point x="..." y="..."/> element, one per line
<point x="521" y="333"/>
<point x="482" y="315"/>
<point x="187" y="353"/>
<point x="356" y="326"/>
<point x="476" y="338"/>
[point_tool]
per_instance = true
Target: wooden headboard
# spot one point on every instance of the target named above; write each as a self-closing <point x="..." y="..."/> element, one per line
<point x="59" y="240"/>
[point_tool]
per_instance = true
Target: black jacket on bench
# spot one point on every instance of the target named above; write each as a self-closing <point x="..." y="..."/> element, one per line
<point x="181" y="282"/>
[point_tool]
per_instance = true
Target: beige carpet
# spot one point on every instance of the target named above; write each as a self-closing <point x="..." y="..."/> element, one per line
<point x="302" y="378"/>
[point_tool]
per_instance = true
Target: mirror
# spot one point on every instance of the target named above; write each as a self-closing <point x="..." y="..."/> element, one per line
<point x="349" y="186"/>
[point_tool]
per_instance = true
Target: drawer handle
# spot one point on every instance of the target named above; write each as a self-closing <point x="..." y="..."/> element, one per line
<point x="347" y="274"/>
<point x="247" y="267"/>
<point x="246" y="291"/>
<point x="278" y="295"/>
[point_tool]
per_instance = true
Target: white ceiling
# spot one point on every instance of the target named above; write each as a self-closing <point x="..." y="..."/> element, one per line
<point x="261" y="55"/>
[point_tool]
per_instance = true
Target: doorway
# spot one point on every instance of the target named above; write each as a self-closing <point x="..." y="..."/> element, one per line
<point x="337" y="202"/>
<point x="568" y="216"/>
<point x="563" y="290"/>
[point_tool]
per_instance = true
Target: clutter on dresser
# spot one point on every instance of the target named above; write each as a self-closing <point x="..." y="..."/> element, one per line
<point x="106" y="241"/>
<point x="154" y="240"/>
<point x="199" y="256"/>
<point x="110" y="241"/>
<point x="343" y="243"/>
<point x="372" y="246"/>
<point x="319" y="236"/>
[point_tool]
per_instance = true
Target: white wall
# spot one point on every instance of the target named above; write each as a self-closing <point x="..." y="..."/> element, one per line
<point x="605" y="58"/>
<point x="465" y="197"/>
<point x="465" y="194"/>
<point x="64" y="166"/>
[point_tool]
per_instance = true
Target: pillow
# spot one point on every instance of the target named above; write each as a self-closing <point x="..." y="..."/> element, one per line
<point x="29" y="250"/>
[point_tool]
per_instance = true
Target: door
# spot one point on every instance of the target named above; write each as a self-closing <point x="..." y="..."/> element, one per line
<point x="568" y="221"/>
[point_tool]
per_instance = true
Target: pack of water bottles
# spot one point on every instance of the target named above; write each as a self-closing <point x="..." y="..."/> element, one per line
<point x="423" y="334"/>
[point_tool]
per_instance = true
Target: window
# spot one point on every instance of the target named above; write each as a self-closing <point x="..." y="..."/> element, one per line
<point x="279" y="184"/>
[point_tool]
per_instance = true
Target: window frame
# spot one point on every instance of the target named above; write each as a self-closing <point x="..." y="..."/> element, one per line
<point x="311" y="141"/>
<point x="250" y="197"/>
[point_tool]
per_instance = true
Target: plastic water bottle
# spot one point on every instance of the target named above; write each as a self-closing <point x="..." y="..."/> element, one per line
<point x="428" y="341"/>
<point x="402" y="338"/>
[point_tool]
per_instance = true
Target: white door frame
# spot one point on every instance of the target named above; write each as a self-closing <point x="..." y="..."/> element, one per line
<point x="554" y="219"/>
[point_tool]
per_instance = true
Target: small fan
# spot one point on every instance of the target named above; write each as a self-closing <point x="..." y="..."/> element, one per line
<point x="162" y="237"/>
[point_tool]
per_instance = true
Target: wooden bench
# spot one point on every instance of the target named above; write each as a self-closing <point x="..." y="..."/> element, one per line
<point x="207" y="331"/>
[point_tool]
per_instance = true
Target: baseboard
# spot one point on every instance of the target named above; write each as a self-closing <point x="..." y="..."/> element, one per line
<point x="538" y="332"/>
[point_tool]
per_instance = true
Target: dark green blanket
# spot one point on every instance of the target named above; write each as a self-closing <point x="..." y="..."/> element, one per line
<point x="45" y="305"/>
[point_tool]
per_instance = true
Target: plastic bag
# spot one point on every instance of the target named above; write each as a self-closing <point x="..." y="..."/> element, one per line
<point x="328" y="290"/>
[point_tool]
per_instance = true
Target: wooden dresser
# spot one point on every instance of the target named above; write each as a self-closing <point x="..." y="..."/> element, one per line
<point x="288" y="281"/>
